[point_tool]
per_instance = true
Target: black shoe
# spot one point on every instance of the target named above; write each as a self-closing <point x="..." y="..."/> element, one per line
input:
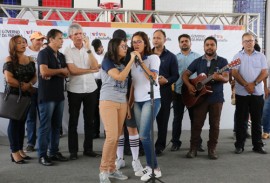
<point x="45" y="161"/>
<point x="159" y="152"/>
<point x="73" y="156"/>
<point x="17" y="162"/>
<point x="175" y="148"/>
<point x="191" y="154"/>
<point x="260" y="150"/>
<point x="200" y="148"/>
<point x="58" y="157"/>
<point x="26" y="157"/>
<point x="238" y="150"/>
<point x="91" y="154"/>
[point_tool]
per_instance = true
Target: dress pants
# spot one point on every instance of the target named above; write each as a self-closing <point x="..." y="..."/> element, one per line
<point x="89" y="101"/>
<point x="252" y="105"/>
<point x="201" y="111"/>
<point x="163" y="117"/>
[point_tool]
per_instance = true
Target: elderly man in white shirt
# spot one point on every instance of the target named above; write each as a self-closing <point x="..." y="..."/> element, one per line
<point x="82" y="89"/>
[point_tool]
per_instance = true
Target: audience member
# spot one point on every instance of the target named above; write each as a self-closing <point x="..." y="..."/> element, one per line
<point x="52" y="70"/>
<point x="82" y="89"/>
<point x="185" y="57"/>
<point x="19" y="72"/>
<point x="99" y="55"/>
<point x="168" y="74"/>
<point x="249" y="94"/>
<point x="31" y="122"/>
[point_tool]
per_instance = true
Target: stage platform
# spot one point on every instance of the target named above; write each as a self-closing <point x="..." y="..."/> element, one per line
<point x="248" y="167"/>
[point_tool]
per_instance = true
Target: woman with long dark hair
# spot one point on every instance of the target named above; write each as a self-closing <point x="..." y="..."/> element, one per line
<point x="19" y="71"/>
<point x="113" y="105"/>
<point x="142" y="101"/>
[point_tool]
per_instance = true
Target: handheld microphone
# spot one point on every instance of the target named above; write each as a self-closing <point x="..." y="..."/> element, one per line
<point x="137" y="60"/>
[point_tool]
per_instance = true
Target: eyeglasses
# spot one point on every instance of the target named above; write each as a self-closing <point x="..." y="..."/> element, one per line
<point x="248" y="41"/>
<point x="137" y="42"/>
<point x="124" y="47"/>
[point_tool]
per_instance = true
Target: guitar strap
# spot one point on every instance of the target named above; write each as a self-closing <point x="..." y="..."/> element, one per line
<point x="212" y="69"/>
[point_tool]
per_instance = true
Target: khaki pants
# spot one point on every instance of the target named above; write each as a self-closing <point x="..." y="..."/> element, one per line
<point x="113" y="115"/>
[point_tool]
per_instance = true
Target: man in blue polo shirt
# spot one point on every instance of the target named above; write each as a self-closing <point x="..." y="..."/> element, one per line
<point x="185" y="57"/>
<point x="249" y="94"/>
<point x="212" y="102"/>
<point x="52" y="69"/>
<point x="168" y="74"/>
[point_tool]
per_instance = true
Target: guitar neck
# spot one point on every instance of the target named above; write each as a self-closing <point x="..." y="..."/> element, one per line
<point x="211" y="77"/>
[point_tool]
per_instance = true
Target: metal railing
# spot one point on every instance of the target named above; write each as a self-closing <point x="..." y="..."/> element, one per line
<point x="251" y="21"/>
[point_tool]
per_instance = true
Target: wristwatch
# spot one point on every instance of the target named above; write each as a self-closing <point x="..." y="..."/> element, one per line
<point x="256" y="83"/>
<point x="89" y="51"/>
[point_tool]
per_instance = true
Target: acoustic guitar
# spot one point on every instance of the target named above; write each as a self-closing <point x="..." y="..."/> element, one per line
<point x="201" y="88"/>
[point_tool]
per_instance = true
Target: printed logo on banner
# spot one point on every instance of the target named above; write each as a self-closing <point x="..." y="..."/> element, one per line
<point x="29" y="32"/>
<point x="9" y="33"/>
<point x="201" y="37"/>
<point x="220" y="38"/>
<point x="197" y="37"/>
<point x="100" y="35"/>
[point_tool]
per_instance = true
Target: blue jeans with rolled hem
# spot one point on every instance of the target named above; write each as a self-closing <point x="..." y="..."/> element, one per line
<point x="266" y="116"/>
<point x="31" y="121"/>
<point x="51" y="114"/>
<point x="143" y="116"/>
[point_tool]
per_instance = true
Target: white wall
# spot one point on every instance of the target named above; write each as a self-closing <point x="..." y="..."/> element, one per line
<point x="85" y="4"/>
<point x="219" y="6"/>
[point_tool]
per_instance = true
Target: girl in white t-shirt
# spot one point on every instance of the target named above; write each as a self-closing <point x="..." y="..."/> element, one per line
<point x="142" y="100"/>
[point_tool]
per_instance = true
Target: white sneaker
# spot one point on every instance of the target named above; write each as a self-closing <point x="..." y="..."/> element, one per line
<point x="136" y="164"/>
<point x="120" y="163"/>
<point x="148" y="175"/>
<point x="143" y="171"/>
<point x="118" y="175"/>
<point x="104" y="177"/>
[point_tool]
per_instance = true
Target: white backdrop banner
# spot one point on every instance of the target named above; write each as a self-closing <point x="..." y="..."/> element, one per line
<point x="229" y="43"/>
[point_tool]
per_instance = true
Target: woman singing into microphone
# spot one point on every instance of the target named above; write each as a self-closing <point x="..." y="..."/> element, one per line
<point x="142" y="100"/>
<point x="113" y="104"/>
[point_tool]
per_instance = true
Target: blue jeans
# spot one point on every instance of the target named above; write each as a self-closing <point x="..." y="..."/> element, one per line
<point x="266" y="116"/>
<point x="143" y="116"/>
<point x="51" y="114"/>
<point x="31" y="121"/>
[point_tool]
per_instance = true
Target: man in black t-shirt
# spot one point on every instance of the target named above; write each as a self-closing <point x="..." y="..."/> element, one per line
<point x="52" y="70"/>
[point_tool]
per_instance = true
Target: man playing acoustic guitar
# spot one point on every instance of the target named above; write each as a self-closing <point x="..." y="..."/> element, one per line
<point x="211" y="102"/>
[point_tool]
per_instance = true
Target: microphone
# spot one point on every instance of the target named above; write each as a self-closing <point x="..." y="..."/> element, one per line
<point x="137" y="60"/>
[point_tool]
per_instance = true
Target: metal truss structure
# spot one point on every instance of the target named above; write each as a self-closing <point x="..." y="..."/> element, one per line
<point x="251" y="21"/>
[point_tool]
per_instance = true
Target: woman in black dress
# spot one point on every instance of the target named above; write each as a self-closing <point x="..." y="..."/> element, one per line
<point x="19" y="71"/>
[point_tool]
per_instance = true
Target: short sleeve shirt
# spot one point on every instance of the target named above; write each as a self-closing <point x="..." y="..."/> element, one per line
<point x="183" y="62"/>
<point x="84" y="83"/>
<point x="22" y="73"/>
<point x="51" y="90"/>
<point x="111" y="89"/>
<point x="141" y="83"/>
<point x="200" y="66"/>
<point x="250" y="68"/>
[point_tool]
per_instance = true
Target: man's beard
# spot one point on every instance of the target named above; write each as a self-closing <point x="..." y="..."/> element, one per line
<point x="210" y="54"/>
<point x="185" y="49"/>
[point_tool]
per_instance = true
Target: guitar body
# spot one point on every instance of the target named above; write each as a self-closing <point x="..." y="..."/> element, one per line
<point x="200" y="85"/>
<point x="192" y="100"/>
